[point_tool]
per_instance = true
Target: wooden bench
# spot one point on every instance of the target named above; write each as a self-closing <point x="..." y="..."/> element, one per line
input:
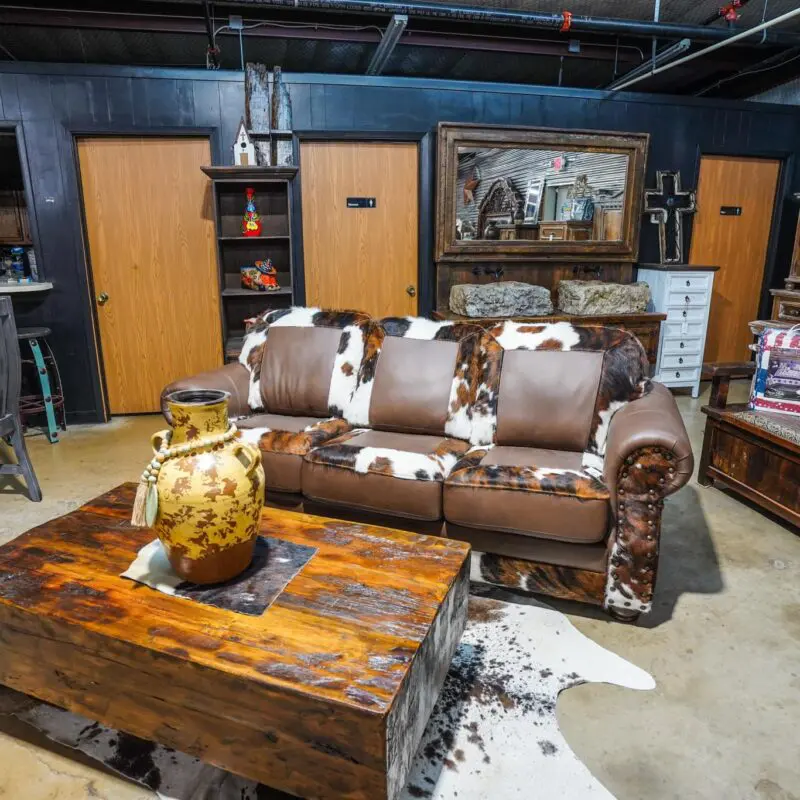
<point x="755" y="454"/>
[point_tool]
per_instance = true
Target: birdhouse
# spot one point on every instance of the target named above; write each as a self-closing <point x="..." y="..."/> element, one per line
<point x="244" y="151"/>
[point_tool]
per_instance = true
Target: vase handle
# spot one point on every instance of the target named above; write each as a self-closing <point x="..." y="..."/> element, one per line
<point x="251" y="453"/>
<point x="156" y="440"/>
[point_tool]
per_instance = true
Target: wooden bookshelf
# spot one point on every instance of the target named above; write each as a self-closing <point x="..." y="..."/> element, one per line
<point x="273" y="186"/>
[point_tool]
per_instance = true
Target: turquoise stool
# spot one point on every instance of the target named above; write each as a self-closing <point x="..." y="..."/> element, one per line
<point x="51" y="398"/>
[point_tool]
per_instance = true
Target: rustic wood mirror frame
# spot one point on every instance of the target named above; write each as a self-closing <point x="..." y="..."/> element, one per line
<point x="454" y="135"/>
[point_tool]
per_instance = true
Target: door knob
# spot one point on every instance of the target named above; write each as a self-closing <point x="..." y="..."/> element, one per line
<point x="102" y="299"/>
<point x="411" y="291"/>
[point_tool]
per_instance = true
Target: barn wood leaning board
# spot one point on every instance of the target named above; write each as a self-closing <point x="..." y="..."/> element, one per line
<point x="326" y="695"/>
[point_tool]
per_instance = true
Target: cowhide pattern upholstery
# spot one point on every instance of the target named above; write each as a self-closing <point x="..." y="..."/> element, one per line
<point x="643" y="481"/>
<point x="295" y="443"/>
<point x="354" y="327"/>
<point x="459" y="413"/>
<point x="623" y="377"/>
<point x="471" y="472"/>
<point x="346" y="452"/>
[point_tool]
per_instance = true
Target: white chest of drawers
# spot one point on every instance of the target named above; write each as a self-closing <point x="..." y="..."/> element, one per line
<point x="684" y="295"/>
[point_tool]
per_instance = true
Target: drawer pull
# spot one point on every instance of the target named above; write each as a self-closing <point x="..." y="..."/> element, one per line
<point x="684" y="313"/>
<point x="677" y="374"/>
<point x="680" y="360"/>
<point x="687" y="299"/>
<point x="688" y="283"/>
<point x="682" y="345"/>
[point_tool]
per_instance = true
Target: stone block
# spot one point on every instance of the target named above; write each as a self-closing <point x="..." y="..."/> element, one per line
<point x="590" y="298"/>
<point x="501" y="299"/>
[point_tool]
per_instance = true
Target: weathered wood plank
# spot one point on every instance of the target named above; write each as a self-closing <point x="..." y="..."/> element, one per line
<point x="324" y="695"/>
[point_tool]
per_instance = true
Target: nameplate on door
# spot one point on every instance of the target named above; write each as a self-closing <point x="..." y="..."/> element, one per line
<point x="361" y="202"/>
<point x="730" y="211"/>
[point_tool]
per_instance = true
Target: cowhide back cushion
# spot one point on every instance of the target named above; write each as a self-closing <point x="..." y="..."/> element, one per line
<point x="354" y="326"/>
<point x="622" y="378"/>
<point x="457" y="423"/>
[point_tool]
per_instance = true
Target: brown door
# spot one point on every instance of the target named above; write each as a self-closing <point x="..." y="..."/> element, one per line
<point x="361" y="258"/>
<point x="735" y="243"/>
<point x="151" y="250"/>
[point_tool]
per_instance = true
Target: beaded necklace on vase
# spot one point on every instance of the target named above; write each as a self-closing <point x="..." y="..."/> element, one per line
<point x="145" y="506"/>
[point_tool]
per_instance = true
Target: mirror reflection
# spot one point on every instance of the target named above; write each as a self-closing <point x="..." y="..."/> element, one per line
<point x="537" y="194"/>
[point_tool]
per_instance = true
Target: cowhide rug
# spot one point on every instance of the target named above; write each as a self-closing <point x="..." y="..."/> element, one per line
<point x="493" y="732"/>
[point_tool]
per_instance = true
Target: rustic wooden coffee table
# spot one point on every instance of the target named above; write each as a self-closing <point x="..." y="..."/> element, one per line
<point x="326" y="695"/>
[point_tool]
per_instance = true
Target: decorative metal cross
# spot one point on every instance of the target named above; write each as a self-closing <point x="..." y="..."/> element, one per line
<point x="666" y="207"/>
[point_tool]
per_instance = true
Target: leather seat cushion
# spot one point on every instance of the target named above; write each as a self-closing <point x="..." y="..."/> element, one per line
<point x="528" y="491"/>
<point x="395" y="473"/>
<point x="284" y="440"/>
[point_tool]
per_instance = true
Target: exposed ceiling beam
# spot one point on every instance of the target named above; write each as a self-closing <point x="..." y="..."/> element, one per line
<point x="153" y="23"/>
<point x="754" y="79"/>
<point x="391" y="36"/>
<point x="476" y="14"/>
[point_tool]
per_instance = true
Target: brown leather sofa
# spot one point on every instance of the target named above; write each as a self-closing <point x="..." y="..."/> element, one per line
<point x="544" y="446"/>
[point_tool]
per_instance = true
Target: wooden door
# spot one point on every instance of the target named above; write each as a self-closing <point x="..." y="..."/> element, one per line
<point x="737" y="244"/>
<point x="150" y="232"/>
<point x="361" y="258"/>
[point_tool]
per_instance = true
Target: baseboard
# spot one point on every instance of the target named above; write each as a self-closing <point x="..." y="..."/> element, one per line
<point x="83" y="417"/>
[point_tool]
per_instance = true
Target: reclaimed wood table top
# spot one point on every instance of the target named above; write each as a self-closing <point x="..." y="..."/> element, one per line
<point x="323" y="695"/>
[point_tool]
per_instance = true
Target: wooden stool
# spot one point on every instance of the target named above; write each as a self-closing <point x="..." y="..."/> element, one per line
<point x="51" y="397"/>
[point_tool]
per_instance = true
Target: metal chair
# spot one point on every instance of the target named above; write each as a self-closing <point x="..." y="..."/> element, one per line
<point x="10" y="423"/>
<point x="50" y="397"/>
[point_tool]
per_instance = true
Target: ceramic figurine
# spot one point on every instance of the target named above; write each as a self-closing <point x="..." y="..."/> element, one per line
<point x="261" y="277"/>
<point x="251" y="222"/>
<point x="203" y="491"/>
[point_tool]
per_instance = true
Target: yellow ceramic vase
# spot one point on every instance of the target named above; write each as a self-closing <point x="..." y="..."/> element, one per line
<point x="209" y="498"/>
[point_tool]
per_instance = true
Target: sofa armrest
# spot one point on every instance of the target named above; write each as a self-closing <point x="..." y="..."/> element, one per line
<point x="648" y="456"/>
<point x="652" y="422"/>
<point x="233" y="378"/>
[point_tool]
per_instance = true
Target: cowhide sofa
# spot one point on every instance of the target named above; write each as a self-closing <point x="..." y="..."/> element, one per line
<point x="544" y="446"/>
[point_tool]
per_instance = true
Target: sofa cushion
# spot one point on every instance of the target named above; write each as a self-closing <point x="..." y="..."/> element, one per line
<point x="547" y="398"/>
<point x="412" y="385"/>
<point x="528" y="491"/>
<point x="416" y="377"/>
<point x="622" y="378"/>
<point x="296" y="370"/>
<point x="284" y="440"/>
<point x="311" y="368"/>
<point x="394" y="473"/>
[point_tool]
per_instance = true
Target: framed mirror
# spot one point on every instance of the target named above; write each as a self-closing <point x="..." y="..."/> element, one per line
<point x="538" y="193"/>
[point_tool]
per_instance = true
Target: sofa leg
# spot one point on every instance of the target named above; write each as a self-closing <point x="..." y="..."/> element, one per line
<point x="623" y="614"/>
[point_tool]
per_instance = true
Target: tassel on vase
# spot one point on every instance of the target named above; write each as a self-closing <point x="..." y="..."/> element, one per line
<point x="138" y="519"/>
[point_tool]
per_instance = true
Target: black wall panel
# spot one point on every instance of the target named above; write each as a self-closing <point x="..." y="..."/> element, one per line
<point x="50" y="104"/>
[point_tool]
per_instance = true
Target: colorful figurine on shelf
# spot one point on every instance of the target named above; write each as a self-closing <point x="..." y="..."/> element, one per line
<point x="262" y="277"/>
<point x="251" y="222"/>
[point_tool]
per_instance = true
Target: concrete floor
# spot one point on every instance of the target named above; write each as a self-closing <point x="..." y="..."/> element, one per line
<point x="723" y="644"/>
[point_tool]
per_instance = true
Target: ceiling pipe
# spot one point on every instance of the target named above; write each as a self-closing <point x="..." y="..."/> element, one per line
<point x="213" y="50"/>
<point x="661" y="57"/>
<point x="758" y="28"/>
<point x="389" y="39"/>
<point x="530" y="19"/>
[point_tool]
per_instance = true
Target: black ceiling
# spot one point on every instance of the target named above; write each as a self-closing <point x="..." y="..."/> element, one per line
<point x="342" y="37"/>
